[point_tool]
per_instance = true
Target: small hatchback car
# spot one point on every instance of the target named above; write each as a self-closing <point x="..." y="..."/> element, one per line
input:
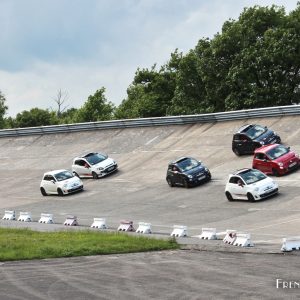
<point x="93" y="165"/>
<point x="250" y="137"/>
<point x="275" y="159"/>
<point x="250" y="184"/>
<point x="186" y="172"/>
<point x="60" y="182"/>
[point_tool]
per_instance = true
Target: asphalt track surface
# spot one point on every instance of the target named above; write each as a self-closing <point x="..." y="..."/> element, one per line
<point x="139" y="192"/>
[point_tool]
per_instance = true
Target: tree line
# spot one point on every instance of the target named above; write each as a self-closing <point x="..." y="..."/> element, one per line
<point x="253" y="62"/>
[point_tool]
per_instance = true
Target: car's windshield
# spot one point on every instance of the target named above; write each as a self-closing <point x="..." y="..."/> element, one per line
<point x="188" y="164"/>
<point x="252" y="176"/>
<point x="255" y="131"/>
<point x="63" y="175"/>
<point x="96" y="158"/>
<point x="277" y="152"/>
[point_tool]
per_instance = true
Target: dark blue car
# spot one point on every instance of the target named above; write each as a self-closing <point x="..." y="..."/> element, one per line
<point x="250" y="137"/>
<point x="187" y="172"/>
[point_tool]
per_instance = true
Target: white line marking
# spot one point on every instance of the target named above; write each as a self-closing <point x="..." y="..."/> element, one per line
<point x="152" y="140"/>
<point x="267" y="242"/>
<point x="163" y="151"/>
<point x="119" y="180"/>
<point x="265" y="209"/>
<point x="275" y="224"/>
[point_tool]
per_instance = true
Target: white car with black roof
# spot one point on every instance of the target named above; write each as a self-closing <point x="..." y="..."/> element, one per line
<point x="251" y="185"/>
<point x="93" y="165"/>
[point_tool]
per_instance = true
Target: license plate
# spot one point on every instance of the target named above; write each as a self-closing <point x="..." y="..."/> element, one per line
<point x="293" y="164"/>
<point x="109" y="169"/>
<point x="201" y="177"/>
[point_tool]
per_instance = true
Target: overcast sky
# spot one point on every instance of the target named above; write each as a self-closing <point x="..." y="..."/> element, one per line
<point x="79" y="46"/>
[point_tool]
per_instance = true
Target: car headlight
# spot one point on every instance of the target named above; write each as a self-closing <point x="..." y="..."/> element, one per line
<point x="261" y="142"/>
<point x="206" y="169"/>
<point x="190" y="176"/>
<point x="256" y="189"/>
<point x="280" y="164"/>
<point x="100" y="169"/>
<point x="65" y="185"/>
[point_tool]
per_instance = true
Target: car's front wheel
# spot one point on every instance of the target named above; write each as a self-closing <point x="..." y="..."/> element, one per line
<point x="275" y="172"/>
<point x="95" y="175"/>
<point x="60" y="192"/>
<point x="250" y="197"/>
<point x="186" y="183"/>
<point x="236" y="152"/>
<point x="170" y="182"/>
<point x="43" y="192"/>
<point x="229" y="197"/>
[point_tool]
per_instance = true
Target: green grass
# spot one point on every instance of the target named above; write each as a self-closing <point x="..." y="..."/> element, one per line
<point x="23" y="244"/>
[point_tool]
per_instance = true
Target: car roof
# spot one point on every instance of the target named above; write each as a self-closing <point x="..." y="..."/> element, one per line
<point x="55" y="172"/>
<point x="241" y="171"/>
<point x="179" y="160"/>
<point x="266" y="148"/>
<point x="244" y="127"/>
<point x="87" y="154"/>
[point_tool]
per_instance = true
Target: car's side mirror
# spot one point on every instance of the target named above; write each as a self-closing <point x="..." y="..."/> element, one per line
<point x="53" y="181"/>
<point x="240" y="184"/>
<point x="289" y="148"/>
<point x="265" y="160"/>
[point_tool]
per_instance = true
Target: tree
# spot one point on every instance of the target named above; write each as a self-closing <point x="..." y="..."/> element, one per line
<point x="151" y="91"/>
<point x="96" y="108"/>
<point x="34" y="117"/>
<point x="255" y="71"/>
<point x="130" y="107"/>
<point x="68" y="116"/>
<point x="3" y="109"/>
<point x="60" y="100"/>
<point x="190" y="93"/>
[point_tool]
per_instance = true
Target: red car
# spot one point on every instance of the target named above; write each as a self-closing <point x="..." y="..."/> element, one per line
<point x="275" y="159"/>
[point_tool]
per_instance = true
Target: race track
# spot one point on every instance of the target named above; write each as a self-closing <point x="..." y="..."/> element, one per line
<point x="139" y="191"/>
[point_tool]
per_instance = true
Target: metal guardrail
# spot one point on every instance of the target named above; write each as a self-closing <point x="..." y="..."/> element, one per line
<point x="160" y="121"/>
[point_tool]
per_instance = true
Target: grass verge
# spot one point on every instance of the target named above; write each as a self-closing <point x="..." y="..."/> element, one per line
<point x="24" y="244"/>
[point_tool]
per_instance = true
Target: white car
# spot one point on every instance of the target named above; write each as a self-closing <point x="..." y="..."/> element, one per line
<point x="250" y="184"/>
<point x="93" y="165"/>
<point x="60" y="182"/>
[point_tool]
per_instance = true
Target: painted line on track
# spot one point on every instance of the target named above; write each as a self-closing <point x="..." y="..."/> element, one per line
<point x="274" y="224"/>
<point x="163" y="151"/>
<point x="265" y="209"/>
<point x="152" y="140"/>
